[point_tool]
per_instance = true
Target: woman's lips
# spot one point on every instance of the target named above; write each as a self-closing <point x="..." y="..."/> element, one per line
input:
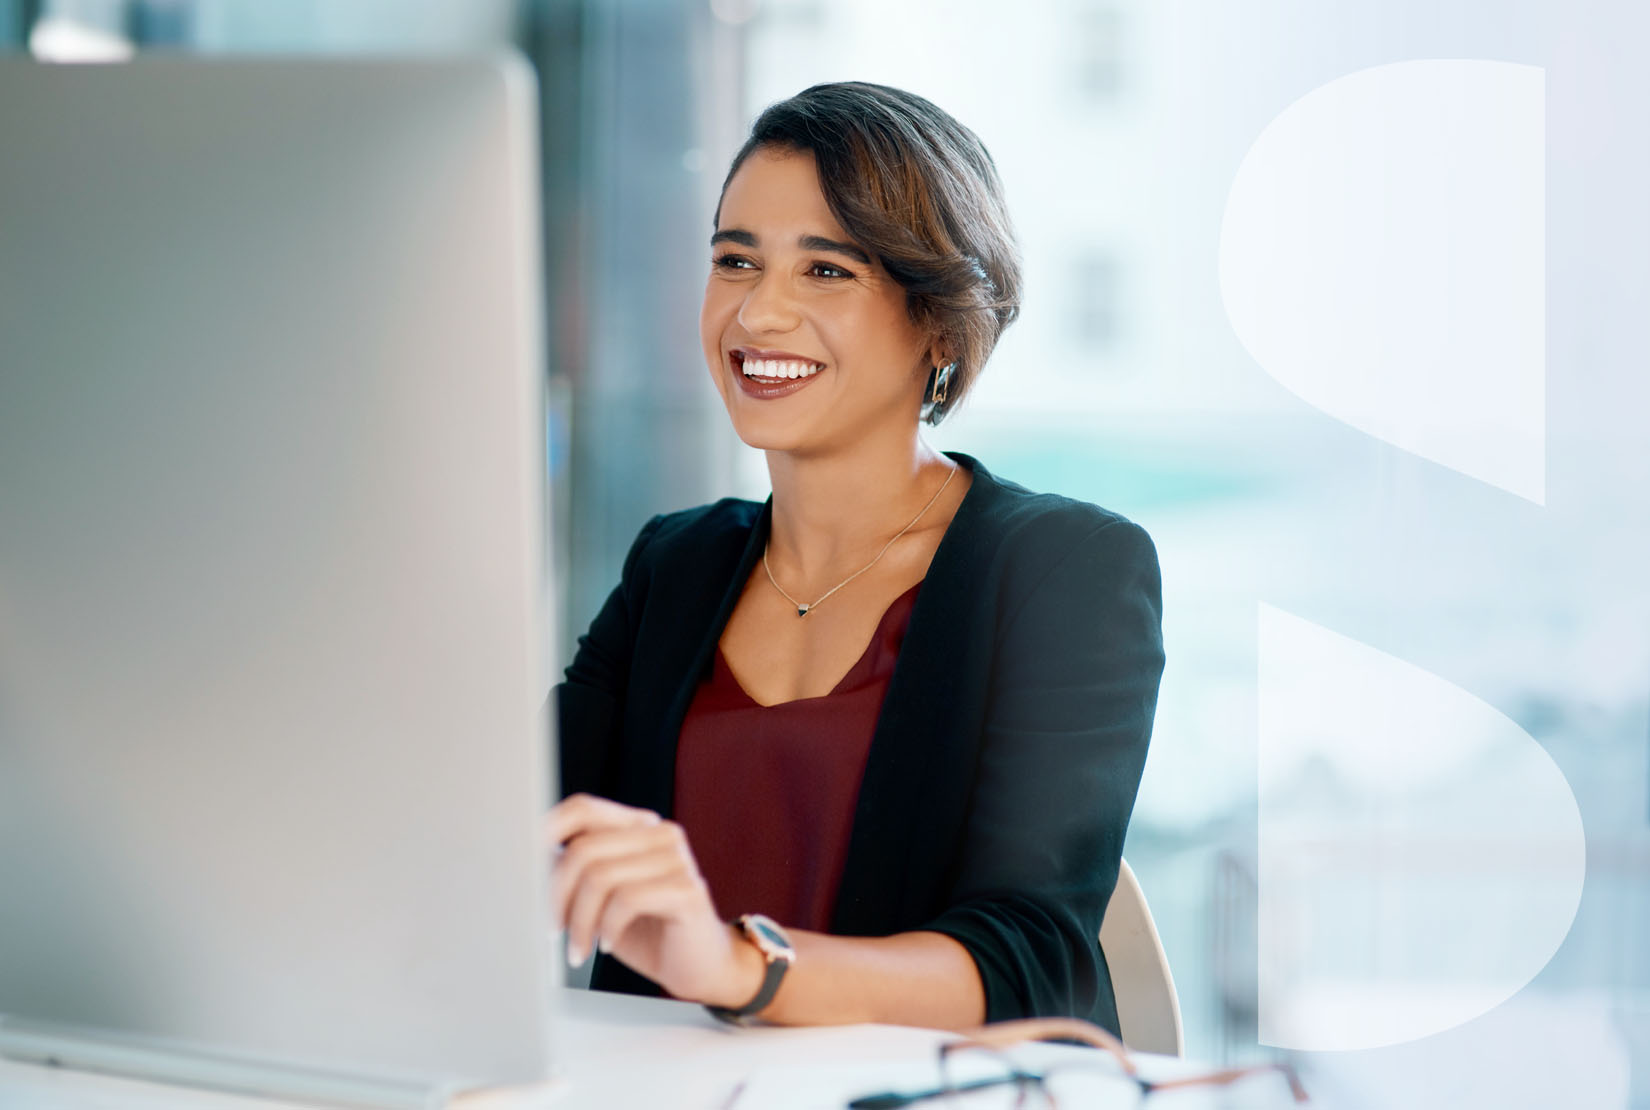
<point x="773" y="377"/>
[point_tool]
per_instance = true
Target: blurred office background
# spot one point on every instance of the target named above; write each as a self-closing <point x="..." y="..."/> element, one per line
<point x="1120" y="127"/>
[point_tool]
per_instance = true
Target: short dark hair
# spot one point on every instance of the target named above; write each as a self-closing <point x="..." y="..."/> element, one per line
<point x="919" y="191"/>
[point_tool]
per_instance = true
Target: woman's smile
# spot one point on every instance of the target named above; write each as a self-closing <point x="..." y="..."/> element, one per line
<point x="765" y="374"/>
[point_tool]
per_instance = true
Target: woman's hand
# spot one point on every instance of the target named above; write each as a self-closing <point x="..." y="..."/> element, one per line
<point x="626" y="882"/>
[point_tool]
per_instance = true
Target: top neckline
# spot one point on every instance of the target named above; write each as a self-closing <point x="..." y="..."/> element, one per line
<point x="855" y="673"/>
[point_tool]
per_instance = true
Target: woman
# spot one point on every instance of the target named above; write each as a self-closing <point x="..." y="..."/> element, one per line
<point x="903" y="707"/>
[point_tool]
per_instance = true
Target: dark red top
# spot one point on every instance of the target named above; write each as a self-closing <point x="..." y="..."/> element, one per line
<point x="766" y="794"/>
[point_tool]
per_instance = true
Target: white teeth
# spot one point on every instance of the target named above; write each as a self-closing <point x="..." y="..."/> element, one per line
<point x="779" y="368"/>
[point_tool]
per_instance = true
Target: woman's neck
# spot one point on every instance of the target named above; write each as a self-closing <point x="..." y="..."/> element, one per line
<point x="836" y="508"/>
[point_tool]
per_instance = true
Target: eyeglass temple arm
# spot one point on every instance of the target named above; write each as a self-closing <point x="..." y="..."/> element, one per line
<point x="1007" y="1034"/>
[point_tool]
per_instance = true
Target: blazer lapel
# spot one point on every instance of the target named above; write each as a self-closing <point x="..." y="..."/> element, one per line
<point x="914" y="795"/>
<point x="679" y="675"/>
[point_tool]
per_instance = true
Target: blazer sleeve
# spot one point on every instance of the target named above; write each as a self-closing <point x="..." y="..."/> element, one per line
<point x="590" y="702"/>
<point x="1069" y="716"/>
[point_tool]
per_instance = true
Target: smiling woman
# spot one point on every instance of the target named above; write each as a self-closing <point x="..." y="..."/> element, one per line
<point x="921" y="195"/>
<point x="784" y="267"/>
<point x="902" y="707"/>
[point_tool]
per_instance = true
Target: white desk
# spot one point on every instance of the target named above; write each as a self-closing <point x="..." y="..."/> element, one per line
<point x="617" y="1052"/>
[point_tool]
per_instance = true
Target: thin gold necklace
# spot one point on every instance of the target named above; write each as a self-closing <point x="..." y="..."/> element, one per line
<point x="803" y="610"/>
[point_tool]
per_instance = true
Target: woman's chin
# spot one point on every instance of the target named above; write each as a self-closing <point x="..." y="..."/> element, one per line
<point x="768" y="438"/>
<point x="759" y="425"/>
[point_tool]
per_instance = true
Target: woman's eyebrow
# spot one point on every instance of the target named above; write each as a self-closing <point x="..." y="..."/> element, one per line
<point x="820" y="243"/>
<point x="806" y="242"/>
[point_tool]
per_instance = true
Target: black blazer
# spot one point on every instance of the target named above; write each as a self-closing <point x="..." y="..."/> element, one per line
<point x="1009" y="748"/>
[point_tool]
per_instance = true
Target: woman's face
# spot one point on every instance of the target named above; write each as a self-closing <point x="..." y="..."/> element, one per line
<point x="807" y="338"/>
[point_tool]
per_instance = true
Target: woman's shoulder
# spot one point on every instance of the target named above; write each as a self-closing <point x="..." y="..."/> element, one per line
<point x="721" y="528"/>
<point x="1075" y="556"/>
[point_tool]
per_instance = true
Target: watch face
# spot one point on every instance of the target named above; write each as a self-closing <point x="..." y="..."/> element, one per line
<point x="768" y="936"/>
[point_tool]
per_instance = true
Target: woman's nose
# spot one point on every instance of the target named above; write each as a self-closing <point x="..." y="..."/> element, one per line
<point x="768" y="306"/>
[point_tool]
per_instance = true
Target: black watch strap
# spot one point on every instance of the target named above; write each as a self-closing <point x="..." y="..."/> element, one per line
<point x="778" y="957"/>
<point x="770" y="987"/>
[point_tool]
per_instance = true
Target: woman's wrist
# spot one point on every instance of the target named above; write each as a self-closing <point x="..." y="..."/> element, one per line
<point x="746" y="968"/>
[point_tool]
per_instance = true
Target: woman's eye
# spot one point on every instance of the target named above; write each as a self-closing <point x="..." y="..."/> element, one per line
<point x="826" y="270"/>
<point x="732" y="262"/>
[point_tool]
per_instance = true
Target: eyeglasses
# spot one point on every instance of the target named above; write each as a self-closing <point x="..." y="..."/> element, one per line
<point x="977" y="1071"/>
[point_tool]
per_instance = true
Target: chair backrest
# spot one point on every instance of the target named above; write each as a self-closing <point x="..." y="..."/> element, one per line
<point x="1148" y="1010"/>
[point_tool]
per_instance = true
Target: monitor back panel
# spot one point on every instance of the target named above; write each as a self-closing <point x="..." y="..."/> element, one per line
<point x="273" y="605"/>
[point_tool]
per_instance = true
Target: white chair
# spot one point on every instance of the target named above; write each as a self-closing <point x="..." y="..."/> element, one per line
<point x="1148" y="1010"/>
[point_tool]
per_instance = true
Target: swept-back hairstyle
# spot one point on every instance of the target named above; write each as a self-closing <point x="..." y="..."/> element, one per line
<point x="919" y="192"/>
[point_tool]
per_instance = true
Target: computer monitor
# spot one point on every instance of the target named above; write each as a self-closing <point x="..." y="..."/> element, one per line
<point x="274" y="608"/>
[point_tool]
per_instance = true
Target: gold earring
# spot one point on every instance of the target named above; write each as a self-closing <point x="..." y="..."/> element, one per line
<point x="938" y="392"/>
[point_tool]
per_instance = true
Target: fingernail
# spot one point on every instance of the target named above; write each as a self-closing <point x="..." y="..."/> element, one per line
<point x="602" y="945"/>
<point x="575" y="955"/>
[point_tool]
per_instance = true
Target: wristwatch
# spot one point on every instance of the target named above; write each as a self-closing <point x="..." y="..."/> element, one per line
<point x="775" y="946"/>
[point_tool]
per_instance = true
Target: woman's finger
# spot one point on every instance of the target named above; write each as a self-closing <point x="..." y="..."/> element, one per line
<point x="674" y="895"/>
<point x="568" y="872"/>
<point x="581" y="813"/>
<point x="601" y="880"/>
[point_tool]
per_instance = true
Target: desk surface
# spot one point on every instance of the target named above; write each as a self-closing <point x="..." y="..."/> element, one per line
<point x="616" y="1051"/>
